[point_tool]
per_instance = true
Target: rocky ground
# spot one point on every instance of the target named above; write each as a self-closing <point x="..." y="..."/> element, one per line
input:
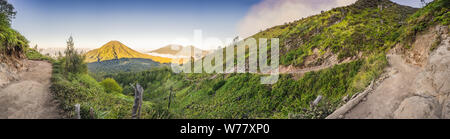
<point x="417" y="84"/>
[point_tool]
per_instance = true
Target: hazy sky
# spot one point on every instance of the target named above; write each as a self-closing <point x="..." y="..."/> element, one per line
<point x="150" y="24"/>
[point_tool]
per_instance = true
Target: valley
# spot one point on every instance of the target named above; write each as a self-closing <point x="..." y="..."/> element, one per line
<point x="373" y="59"/>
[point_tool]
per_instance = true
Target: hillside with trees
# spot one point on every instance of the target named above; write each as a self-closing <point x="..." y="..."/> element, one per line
<point x="369" y="35"/>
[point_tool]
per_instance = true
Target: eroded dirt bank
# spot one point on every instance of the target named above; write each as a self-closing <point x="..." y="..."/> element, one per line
<point x="29" y="97"/>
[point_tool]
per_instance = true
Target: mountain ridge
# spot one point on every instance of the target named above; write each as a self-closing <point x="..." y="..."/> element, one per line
<point x="174" y="49"/>
<point x="117" y="50"/>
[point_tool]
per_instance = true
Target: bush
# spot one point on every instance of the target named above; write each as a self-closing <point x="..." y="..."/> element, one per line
<point x="218" y="85"/>
<point x="111" y="86"/>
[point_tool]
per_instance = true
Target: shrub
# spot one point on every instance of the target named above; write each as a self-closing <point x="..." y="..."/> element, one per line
<point x="218" y="85"/>
<point x="111" y="86"/>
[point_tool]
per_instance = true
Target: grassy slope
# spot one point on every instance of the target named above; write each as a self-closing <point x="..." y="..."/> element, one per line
<point x="71" y="89"/>
<point x="242" y="95"/>
<point x="346" y="31"/>
<point x="358" y="28"/>
<point x="436" y="12"/>
<point x="12" y="43"/>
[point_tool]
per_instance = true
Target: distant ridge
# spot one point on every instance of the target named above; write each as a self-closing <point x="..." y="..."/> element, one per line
<point x="178" y="50"/>
<point x="116" y="50"/>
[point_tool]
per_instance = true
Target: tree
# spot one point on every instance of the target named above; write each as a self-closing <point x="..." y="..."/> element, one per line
<point x="7" y="9"/>
<point x="74" y="61"/>
<point x="423" y="3"/>
<point x="111" y="86"/>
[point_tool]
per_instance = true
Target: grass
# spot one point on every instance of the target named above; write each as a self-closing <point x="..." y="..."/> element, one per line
<point x="237" y="96"/>
<point x="435" y="13"/>
<point x="32" y="54"/>
<point x="346" y="31"/>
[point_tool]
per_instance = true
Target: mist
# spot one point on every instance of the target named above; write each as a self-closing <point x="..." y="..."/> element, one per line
<point x="269" y="13"/>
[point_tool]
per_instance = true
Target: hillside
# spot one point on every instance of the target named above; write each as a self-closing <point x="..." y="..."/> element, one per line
<point x="402" y="50"/>
<point x="358" y="34"/>
<point x="117" y="50"/>
<point x="122" y="65"/>
<point x="417" y="83"/>
<point x="364" y="34"/>
<point x="12" y="47"/>
<point x="355" y="31"/>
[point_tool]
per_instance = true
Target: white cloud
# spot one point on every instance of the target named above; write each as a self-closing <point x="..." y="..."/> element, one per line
<point x="269" y="13"/>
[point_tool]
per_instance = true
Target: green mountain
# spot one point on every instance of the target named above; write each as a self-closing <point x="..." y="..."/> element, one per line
<point x="122" y="65"/>
<point x="357" y="30"/>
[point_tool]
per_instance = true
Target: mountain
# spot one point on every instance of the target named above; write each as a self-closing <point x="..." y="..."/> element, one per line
<point x="362" y="33"/>
<point x="349" y="32"/>
<point x="179" y="51"/>
<point x="117" y="50"/>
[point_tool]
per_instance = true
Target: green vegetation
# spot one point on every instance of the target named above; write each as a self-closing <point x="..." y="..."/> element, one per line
<point x="72" y="85"/>
<point x="32" y="54"/>
<point x="243" y="96"/>
<point x="122" y="65"/>
<point x="12" y="43"/>
<point x="363" y="27"/>
<point x="436" y="12"/>
<point x="83" y="89"/>
<point x="111" y="86"/>
<point x="74" y="61"/>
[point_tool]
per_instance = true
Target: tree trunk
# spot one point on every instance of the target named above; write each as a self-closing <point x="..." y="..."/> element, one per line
<point x="77" y="111"/>
<point x="138" y="91"/>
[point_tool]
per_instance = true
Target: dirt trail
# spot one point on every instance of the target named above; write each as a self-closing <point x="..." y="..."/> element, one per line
<point x="385" y="99"/>
<point x="30" y="97"/>
<point x="418" y="84"/>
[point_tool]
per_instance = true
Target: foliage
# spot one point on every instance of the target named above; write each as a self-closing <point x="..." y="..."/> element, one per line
<point x="78" y="88"/>
<point x="243" y="96"/>
<point x="32" y="54"/>
<point x="361" y="28"/>
<point x="122" y="65"/>
<point x="7" y="9"/>
<point x="111" y="86"/>
<point x="12" y="43"/>
<point x="436" y="12"/>
<point x="74" y="61"/>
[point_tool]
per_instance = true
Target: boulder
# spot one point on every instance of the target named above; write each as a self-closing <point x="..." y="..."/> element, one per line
<point x="417" y="107"/>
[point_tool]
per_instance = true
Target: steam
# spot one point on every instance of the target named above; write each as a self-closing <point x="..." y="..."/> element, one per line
<point x="269" y="13"/>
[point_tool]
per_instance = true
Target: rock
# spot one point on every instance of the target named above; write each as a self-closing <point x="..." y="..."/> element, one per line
<point x="345" y="99"/>
<point x="446" y="109"/>
<point x="417" y="108"/>
<point x="317" y="100"/>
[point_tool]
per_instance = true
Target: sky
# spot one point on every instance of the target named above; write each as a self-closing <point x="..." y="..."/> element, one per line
<point x="151" y="24"/>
